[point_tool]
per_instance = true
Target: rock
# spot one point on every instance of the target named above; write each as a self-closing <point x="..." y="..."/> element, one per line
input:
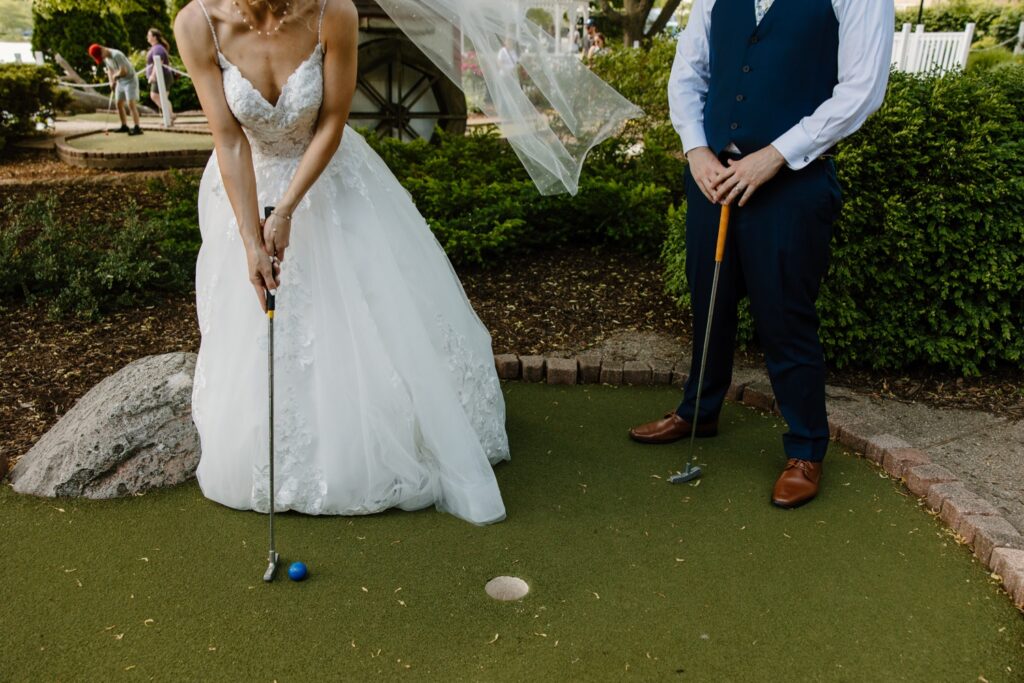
<point x="562" y="371"/>
<point x="131" y="433"/>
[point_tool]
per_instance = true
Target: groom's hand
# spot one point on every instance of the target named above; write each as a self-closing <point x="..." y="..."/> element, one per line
<point x="705" y="169"/>
<point x="743" y="178"/>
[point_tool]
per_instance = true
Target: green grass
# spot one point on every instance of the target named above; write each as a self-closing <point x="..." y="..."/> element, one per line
<point x="17" y="16"/>
<point x="150" y="141"/>
<point x="630" y="576"/>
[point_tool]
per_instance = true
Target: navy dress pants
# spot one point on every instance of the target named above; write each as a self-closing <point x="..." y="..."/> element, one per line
<point x="777" y="254"/>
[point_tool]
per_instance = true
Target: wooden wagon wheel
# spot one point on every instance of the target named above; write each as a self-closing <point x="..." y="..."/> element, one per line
<point x="401" y="94"/>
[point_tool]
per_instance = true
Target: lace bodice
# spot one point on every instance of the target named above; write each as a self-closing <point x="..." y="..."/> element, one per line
<point x="285" y="128"/>
<point x="281" y="130"/>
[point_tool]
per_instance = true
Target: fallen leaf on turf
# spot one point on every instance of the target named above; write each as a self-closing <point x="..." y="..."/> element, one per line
<point x="68" y="571"/>
<point x="57" y="508"/>
<point x="542" y="635"/>
<point x="493" y="640"/>
<point x="118" y="636"/>
<point x="144" y="559"/>
<point x="148" y="622"/>
<point x="402" y="603"/>
<point x="786" y="535"/>
<point x="596" y="595"/>
<point x="129" y="667"/>
<point x="365" y="589"/>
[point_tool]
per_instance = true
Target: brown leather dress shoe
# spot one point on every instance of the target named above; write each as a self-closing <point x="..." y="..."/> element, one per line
<point x="670" y="428"/>
<point x="797" y="485"/>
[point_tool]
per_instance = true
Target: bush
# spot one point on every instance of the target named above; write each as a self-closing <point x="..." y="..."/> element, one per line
<point x="928" y="257"/>
<point x="481" y="204"/>
<point x="997" y="21"/>
<point x="28" y="96"/>
<point x="88" y="268"/>
<point x="70" y="33"/>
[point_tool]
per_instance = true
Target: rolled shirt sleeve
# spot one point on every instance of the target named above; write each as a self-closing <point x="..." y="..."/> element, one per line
<point x="865" y="55"/>
<point x="691" y="71"/>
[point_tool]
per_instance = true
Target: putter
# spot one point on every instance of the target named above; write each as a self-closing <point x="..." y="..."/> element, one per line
<point x="273" y="557"/>
<point x="110" y="111"/>
<point x="693" y="471"/>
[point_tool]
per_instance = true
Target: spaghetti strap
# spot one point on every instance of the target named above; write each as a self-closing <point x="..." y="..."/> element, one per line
<point x="213" y="31"/>
<point x="320" y="25"/>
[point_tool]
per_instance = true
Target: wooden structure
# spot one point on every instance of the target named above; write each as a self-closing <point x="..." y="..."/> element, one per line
<point x="399" y="92"/>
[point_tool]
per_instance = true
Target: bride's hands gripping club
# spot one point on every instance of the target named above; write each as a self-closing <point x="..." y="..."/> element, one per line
<point x="264" y="272"/>
<point x="277" y="232"/>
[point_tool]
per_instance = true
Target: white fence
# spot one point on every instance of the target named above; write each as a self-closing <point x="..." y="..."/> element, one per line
<point x="915" y="51"/>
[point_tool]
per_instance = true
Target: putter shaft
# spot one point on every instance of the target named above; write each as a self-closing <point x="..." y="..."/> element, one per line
<point x="271" y="308"/>
<point x="723" y="231"/>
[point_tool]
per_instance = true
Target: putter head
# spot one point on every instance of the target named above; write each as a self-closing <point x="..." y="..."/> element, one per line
<point x="268" y="576"/>
<point x="687" y="475"/>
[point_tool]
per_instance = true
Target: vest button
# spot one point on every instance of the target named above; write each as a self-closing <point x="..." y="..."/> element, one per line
<point x="734" y="126"/>
<point x="740" y="98"/>
<point x="753" y="40"/>
<point x="746" y="69"/>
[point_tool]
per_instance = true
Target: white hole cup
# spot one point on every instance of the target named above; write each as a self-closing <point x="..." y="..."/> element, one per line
<point x="507" y="588"/>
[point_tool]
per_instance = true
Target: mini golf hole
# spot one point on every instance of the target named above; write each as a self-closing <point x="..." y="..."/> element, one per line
<point x="507" y="588"/>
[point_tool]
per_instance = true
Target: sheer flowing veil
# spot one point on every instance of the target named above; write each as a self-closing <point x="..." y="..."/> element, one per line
<point x="548" y="104"/>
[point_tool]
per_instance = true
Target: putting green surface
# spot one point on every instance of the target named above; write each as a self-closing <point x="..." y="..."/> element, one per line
<point x="150" y="141"/>
<point x="631" y="577"/>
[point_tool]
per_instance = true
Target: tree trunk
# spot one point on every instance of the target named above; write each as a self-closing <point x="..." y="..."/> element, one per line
<point x="666" y="15"/>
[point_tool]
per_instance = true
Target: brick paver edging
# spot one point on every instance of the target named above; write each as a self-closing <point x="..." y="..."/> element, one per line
<point x="181" y="158"/>
<point x="976" y="522"/>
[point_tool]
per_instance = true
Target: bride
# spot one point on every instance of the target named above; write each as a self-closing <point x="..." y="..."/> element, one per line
<point x="386" y="390"/>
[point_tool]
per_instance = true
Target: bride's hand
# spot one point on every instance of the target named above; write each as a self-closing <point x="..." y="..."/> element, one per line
<point x="277" y="232"/>
<point x="263" y="272"/>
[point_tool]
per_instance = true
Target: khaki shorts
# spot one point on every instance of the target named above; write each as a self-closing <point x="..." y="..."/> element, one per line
<point x="127" y="89"/>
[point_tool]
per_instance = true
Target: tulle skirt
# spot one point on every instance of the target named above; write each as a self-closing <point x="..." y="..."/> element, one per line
<point x="386" y="392"/>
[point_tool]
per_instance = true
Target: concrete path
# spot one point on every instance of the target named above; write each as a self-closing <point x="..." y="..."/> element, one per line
<point x="984" y="451"/>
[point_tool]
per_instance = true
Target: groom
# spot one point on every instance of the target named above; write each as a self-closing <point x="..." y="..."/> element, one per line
<point x="760" y="93"/>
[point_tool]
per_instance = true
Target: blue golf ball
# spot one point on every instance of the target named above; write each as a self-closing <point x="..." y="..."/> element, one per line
<point x="297" y="571"/>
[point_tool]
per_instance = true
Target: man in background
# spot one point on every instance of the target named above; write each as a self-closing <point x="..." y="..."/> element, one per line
<point x="123" y="82"/>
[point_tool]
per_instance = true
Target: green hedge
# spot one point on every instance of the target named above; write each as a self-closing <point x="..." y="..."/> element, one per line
<point x="28" y="96"/>
<point x="997" y="22"/>
<point x="481" y="204"/>
<point x="85" y="268"/>
<point x="928" y="257"/>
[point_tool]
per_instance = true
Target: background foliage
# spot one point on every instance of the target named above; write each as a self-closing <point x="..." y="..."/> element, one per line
<point x="29" y="95"/>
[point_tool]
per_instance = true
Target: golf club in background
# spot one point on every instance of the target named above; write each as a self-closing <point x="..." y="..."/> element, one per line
<point x="110" y="112"/>
<point x="693" y="471"/>
<point x="273" y="557"/>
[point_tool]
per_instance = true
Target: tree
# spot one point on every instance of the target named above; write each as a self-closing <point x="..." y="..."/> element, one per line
<point x="631" y="16"/>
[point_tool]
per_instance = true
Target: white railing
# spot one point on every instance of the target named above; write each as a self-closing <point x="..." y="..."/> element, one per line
<point x="919" y="52"/>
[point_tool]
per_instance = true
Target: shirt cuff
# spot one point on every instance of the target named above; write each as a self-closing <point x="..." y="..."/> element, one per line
<point x="693" y="136"/>
<point x="796" y="147"/>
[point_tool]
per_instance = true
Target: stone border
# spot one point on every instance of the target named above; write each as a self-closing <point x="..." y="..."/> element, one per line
<point x="975" y="521"/>
<point x="131" y="161"/>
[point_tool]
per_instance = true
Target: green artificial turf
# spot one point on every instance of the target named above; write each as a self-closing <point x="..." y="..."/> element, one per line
<point x="150" y="141"/>
<point x="631" y="577"/>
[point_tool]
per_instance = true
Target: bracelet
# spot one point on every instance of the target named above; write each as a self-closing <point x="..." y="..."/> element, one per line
<point x="280" y="215"/>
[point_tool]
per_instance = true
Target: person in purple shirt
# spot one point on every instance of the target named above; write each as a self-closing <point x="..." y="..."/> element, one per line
<point x="158" y="46"/>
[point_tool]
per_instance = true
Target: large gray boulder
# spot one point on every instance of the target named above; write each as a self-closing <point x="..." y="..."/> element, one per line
<point x="131" y="433"/>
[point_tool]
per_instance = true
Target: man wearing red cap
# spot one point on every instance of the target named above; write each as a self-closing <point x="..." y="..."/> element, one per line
<point x="123" y="82"/>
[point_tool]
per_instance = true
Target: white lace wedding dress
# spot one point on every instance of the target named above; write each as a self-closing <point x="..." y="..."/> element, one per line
<point x="386" y="390"/>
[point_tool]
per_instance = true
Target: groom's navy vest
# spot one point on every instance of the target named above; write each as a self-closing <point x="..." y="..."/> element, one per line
<point x="765" y="78"/>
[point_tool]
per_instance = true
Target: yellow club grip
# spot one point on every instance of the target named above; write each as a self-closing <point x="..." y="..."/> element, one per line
<point x="723" y="232"/>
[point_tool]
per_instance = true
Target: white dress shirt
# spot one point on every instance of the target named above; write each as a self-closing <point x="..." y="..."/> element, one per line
<point x="865" y="54"/>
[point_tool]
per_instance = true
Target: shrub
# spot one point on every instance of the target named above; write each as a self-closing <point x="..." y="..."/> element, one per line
<point x="998" y="21"/>
<point x="480" y="202"/>
<point x="928" y="256"/>
<point x="28" y="96"/>
<point x="85" y="268"/>
<point x="69" y="33"/>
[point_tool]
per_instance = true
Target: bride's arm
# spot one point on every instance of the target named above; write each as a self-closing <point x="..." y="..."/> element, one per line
<point x="195" y="44"/>
<point x="341" y="47"/>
